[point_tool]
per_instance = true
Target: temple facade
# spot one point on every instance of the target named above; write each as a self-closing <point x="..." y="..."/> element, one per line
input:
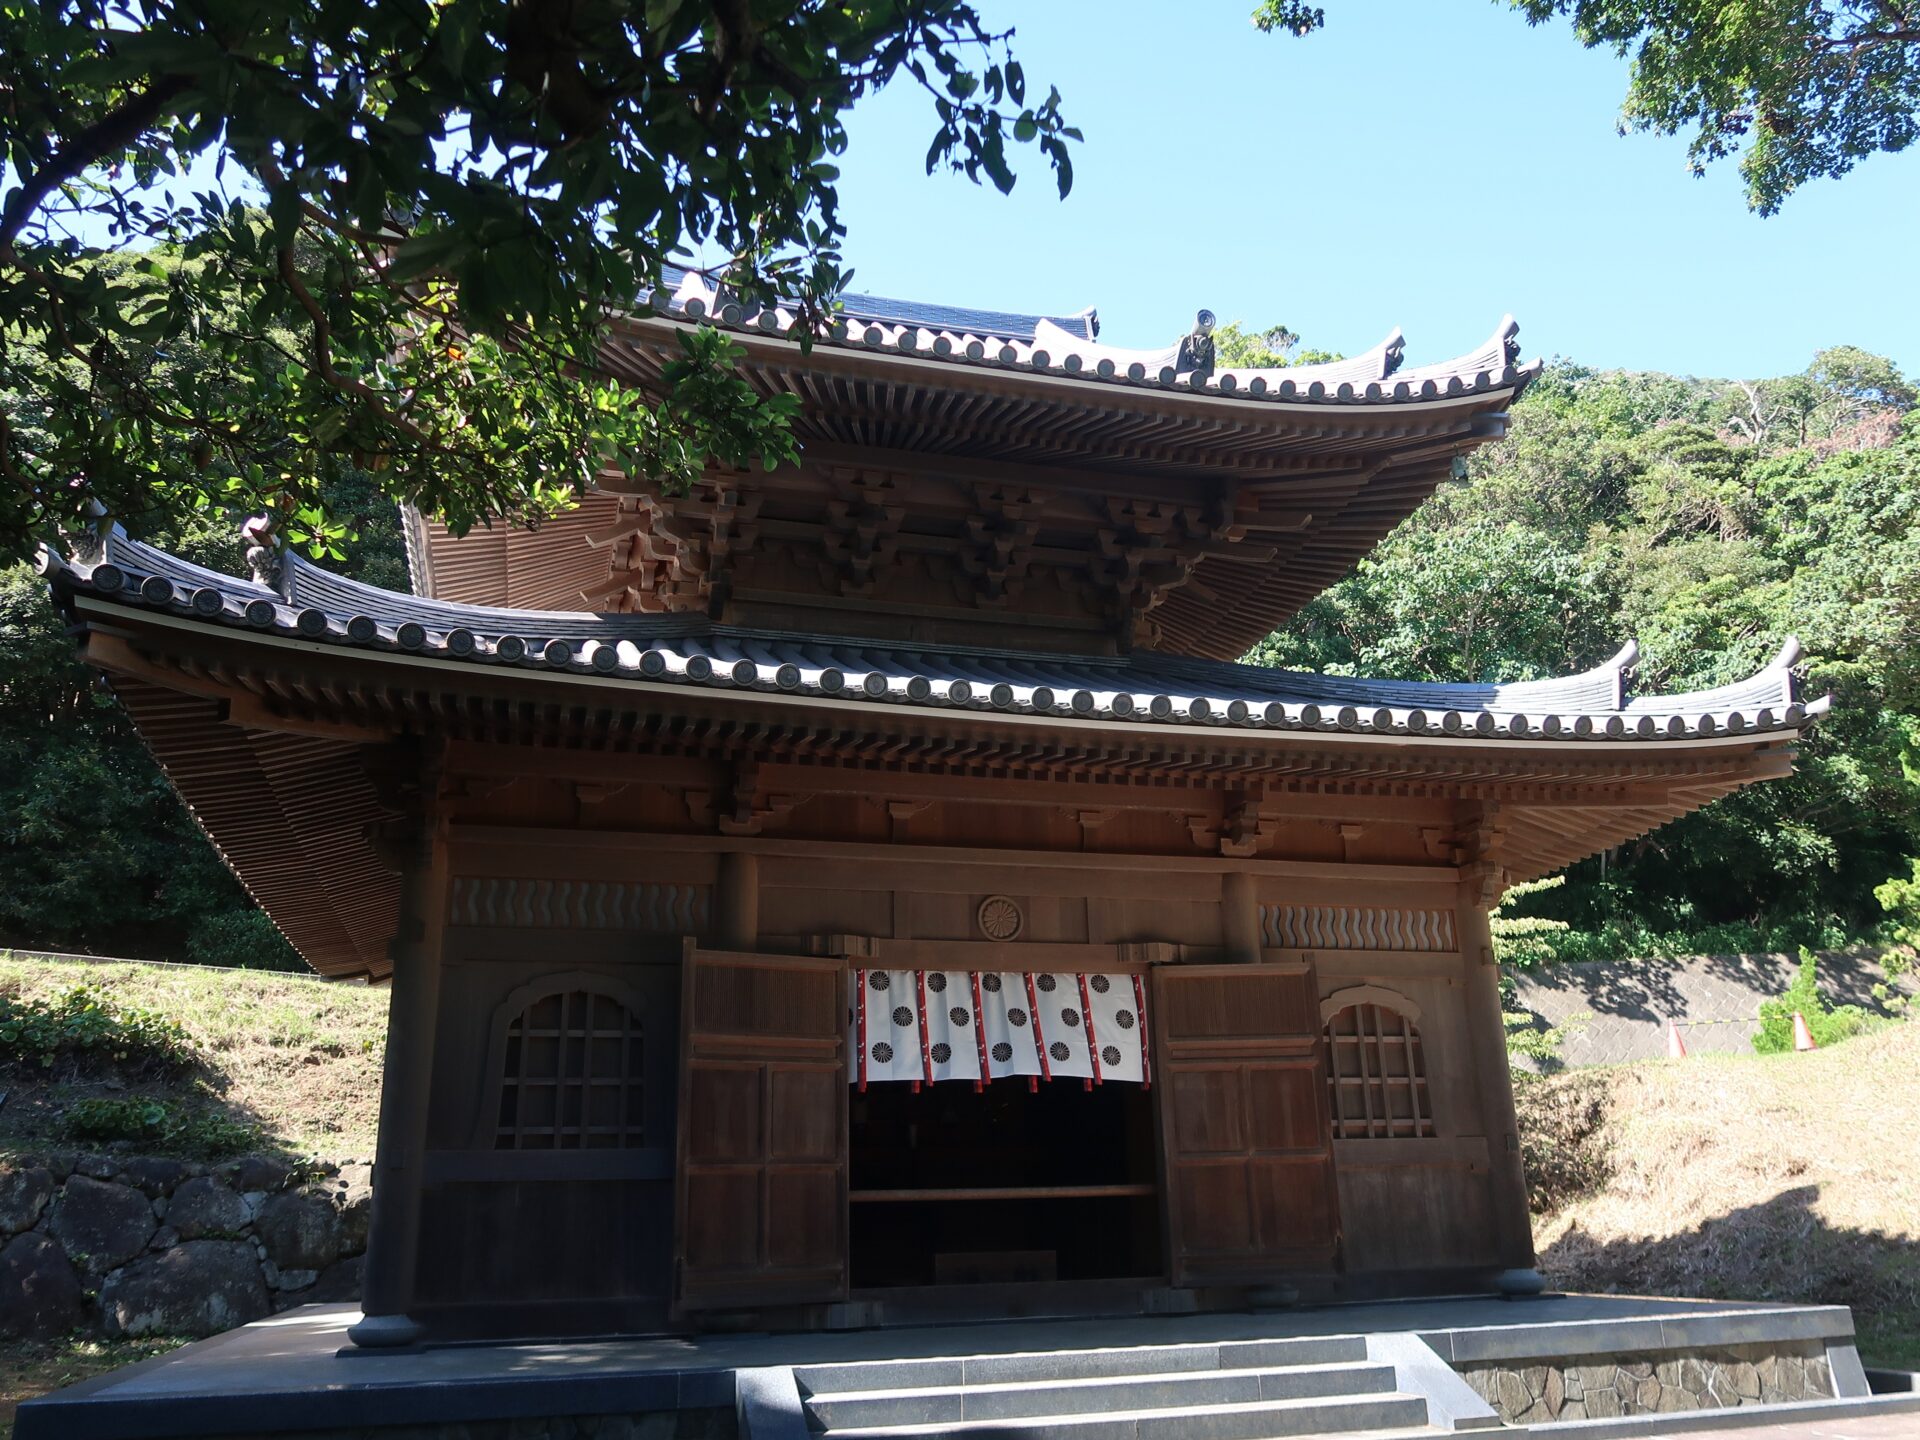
<point x="868" y="891"/>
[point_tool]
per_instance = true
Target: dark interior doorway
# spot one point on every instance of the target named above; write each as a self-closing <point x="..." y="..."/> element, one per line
<point x="952" y="1185"/>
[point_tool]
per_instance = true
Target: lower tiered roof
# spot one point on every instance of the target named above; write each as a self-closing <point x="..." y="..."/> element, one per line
<point x="260" y="702"/>
<point x="1143" y="687"/>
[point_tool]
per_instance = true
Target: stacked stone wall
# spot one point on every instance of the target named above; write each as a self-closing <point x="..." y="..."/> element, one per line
<point x="119" y="1244"/>
<point x="1599" y="1387"/>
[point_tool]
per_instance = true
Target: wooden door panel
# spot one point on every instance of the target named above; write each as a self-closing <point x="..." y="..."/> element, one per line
<point x="803" y="1223"/>
<point x="1215" y="1208"/>
<point x="1285" y="1105"/>
<point x="722" y="1111"/>
<point x="1247" y="1140"/>
<point x="1208" y="1113"/>
<point x="722" y="1207"/>
<point x="804" y="1112"/>
<point x="1255" y="1005"/>
<point x="1293" y="1204"/>
<point x="763" y="1132"/>
<point x="765" y="999"/>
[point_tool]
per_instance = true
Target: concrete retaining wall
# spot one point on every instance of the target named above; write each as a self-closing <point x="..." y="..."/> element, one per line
<point x="1618" y="1010"/>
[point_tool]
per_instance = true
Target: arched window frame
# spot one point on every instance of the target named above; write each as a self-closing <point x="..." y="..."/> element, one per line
<point x="1382" y="1060"/>
<point x="488" y="1130"/>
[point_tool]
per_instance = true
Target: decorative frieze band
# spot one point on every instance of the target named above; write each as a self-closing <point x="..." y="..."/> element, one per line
<point x="581" y="905"/>
<point x="1353" y="927"/>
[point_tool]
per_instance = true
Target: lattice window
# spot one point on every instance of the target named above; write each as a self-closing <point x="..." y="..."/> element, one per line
<point x="571" y="1078"/>
<point x="1376" y="1075"/>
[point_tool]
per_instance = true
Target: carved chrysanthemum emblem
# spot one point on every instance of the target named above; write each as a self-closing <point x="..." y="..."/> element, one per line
<point x="1000" y="918"/>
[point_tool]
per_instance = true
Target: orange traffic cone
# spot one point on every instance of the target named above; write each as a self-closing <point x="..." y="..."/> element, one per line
<point x="1802" y="1036"/>
<point x="1676" y="1047"/>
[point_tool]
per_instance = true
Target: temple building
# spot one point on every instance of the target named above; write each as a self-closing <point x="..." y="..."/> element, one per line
<point x="870" y="890"/>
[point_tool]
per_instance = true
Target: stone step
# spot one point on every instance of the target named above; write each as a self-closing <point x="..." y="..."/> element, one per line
<point x="1391" y="1414"/>
<point x="1094" y="1395"/>
<point x="955" y="1370"/>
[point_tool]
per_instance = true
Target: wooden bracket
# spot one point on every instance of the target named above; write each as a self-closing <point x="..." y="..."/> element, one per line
<point x="901" y="811"/>
<point x="590" y="793"/>
<point x="852" y="947"/>
<point x="1245" y="829"/>
<point x="747" y="807"/>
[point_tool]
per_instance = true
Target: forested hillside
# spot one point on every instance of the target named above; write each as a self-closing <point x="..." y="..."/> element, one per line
<point x="1706" y="519"/>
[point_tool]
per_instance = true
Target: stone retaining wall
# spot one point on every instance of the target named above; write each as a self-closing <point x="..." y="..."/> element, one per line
<point x="137" y="1245"/>
<point x="1599" y="1387"/>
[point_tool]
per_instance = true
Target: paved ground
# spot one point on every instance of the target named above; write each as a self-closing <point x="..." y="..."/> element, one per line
<point x="252" y="1378"/>
<point x="1861" y="1427"/>
<point x="306" y="1349"/>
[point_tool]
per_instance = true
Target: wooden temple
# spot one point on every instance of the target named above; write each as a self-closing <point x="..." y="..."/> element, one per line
<point x="869" y="890"/>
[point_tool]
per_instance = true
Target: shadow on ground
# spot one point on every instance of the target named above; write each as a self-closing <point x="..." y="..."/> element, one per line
<point x="1777" y="1249"/>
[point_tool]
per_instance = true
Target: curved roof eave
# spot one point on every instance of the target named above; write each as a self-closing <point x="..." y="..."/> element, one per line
<point x="1145" y="688"/>
<point x="1370" y="379"/>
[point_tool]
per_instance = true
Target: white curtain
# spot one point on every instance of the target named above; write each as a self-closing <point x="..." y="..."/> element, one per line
<point x="935" y="1025"/>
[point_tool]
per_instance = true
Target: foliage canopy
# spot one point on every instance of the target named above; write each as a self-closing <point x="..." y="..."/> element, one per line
<point x="1797" y="89"/>
<point x="425" y="215"/>
<point x="1653" y="506"/>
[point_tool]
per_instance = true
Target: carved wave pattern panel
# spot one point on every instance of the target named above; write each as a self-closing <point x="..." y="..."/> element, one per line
<point x="1353" y="927"/>
<point x="581" y="905"/>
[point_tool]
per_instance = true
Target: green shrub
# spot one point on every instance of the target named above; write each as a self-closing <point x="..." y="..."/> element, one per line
<point x="87" y="1030"/>
<point x="244" y="939"/>
<point x="158" y="1124"/>
<point x="1828" y="1025"/>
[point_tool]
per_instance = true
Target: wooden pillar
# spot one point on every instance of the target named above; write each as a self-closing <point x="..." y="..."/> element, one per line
<point x="1239" y="918"/>
<point x="737" y="902"/>
<point x="393" y="1235"/>
<point x="1513" y="1225"/>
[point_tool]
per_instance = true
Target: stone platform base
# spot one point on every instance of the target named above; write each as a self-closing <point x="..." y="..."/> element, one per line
<point x="1539" y="1365"/>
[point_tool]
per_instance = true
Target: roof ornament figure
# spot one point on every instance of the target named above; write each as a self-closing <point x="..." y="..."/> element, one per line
<point x="263" y="550"/>
<point x="1195" y="359"/>
<point x="88" y="542"/>
<point x="1396" y="352"/>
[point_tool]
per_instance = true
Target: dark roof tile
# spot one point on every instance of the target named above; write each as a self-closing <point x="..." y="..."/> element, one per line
<point x="1145" y="686"/>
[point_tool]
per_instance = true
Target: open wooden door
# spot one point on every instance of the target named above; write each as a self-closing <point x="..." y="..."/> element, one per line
<point x="763" y="1131"/>
<point x="1244" y="1126"/>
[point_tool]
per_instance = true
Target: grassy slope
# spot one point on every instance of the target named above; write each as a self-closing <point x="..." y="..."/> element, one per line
<point x="295" y="1056"/>
<point x="1788" y="1177"/>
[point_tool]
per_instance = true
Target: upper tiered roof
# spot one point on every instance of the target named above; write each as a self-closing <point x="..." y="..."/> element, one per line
<point x="1189" y="510"/>
<point x="880" y="309"/>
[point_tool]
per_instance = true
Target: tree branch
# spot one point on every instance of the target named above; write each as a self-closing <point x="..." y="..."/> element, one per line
<point x="117" y="128"/>
<point x="323" y="352"/>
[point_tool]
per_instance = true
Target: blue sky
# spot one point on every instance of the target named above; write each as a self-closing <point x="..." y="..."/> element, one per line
<point x="1430" y="164"/>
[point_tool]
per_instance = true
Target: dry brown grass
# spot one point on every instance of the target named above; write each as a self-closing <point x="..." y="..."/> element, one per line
<point x="298" y="1057"/>
<point x="1789" y="1177"/>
